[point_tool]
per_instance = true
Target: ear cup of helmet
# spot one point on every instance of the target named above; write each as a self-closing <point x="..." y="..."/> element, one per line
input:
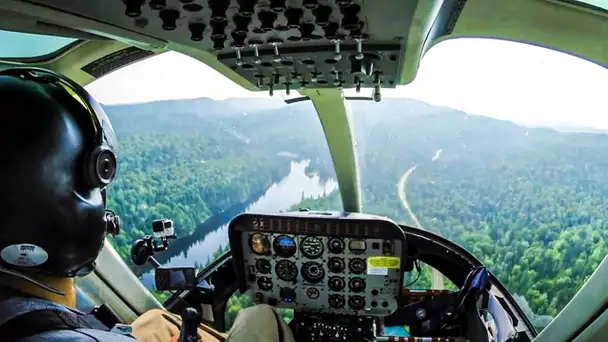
<point x="100" y="167"/>
<point x="99" y="160"/>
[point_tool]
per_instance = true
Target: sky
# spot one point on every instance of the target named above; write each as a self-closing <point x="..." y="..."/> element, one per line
<point x="500" y="79"/>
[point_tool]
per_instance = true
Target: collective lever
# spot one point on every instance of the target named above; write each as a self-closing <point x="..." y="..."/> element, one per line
<point x="191" y="319"/>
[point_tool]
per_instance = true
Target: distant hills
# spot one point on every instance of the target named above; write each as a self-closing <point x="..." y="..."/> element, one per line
<point x="165" y="112"/>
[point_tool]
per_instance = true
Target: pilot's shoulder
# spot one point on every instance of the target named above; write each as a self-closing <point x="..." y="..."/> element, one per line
<point x="78" y="335"/>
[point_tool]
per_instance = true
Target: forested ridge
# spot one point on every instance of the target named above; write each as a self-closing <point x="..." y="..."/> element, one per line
<point x="529" y="202"/>
<point x="186" y="161"/>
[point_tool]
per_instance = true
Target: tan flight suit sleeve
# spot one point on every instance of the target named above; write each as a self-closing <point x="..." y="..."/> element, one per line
<point x="259" y="323"/>
<point x="162" y="326"/>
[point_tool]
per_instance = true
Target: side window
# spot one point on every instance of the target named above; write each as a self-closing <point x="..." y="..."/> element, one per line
<point x="199" y="150"/>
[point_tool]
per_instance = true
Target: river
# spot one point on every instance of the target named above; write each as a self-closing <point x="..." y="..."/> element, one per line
<point x="280" y="196"/>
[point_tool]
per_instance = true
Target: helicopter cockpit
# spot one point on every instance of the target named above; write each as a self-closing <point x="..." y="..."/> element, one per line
<point x="345" y="274"/>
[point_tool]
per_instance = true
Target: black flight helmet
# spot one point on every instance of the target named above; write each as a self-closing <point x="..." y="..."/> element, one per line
<point x="58" y="152"/>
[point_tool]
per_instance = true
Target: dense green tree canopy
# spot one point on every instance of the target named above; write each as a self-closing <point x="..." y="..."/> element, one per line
<point x="529" y="202"/>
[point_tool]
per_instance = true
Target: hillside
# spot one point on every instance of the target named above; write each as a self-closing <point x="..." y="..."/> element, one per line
<point x="529" y="202"/>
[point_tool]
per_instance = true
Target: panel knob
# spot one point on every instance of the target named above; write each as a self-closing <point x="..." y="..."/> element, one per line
<point x="169" y="18"/>
<point x="293" y="16"/>
<point x="196" y="31"/>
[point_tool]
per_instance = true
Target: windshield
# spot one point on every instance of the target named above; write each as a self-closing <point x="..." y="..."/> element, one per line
<point x="28" y="45"/>
<point x="497" y="146"/>
<point x="501" y="149"/>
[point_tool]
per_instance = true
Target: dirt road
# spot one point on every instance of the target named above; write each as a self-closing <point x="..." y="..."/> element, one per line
<point x="437" y="277"/>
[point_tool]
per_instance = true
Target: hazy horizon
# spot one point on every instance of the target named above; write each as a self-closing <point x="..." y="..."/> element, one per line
<point x="500" y="79"/>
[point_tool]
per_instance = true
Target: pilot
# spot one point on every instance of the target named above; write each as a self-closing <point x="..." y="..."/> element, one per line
<point x="58" y="154"/>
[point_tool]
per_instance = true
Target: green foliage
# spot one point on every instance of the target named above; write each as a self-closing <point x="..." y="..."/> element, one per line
<point x="192" y="167"/>
<point x="161" y="296"/>
<point x="529" y="202"/>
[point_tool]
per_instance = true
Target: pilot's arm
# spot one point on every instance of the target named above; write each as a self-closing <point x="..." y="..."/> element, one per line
<point x="260" y="323"/>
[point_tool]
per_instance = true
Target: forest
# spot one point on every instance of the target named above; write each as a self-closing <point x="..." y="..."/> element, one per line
<point x="528" y="202"/>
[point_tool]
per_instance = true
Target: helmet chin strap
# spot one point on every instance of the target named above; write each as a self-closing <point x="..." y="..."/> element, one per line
<point x="31" y="281"/>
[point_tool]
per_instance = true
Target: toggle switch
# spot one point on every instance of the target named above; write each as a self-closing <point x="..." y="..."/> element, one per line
<point x="255" y="44"/>
<point x="275" y="42"/>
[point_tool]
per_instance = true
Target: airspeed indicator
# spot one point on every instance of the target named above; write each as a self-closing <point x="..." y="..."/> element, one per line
<point x="312" y="247"/>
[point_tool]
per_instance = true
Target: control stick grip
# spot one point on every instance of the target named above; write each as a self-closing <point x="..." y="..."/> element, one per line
<point x="191" y="318"/>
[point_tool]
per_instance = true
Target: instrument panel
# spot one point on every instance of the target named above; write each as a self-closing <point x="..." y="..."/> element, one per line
<point x="341" y="264"/>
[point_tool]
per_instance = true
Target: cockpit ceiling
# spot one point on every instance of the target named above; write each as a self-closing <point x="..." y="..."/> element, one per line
<point x="568" y="26"/>
<point x="273" y="44"/>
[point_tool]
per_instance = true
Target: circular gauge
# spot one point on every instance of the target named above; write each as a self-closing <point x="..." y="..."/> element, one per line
<point x="264" y="283"/>
<point x="263" y="266"/>
<point x="311" y="247"/>
<point x="336" y="301"/>
<point x="284" y="246"/>
<point x="357" y="246"/>
<point x="312" y="293"/>
<point x="336" y="265"/>
<point x="356" y="284"/>
<point x="286" y="270"/>
<point x="356" y="302"/>
<point x="336" y="283"/>
<point x="335" y="245"/>
<point x="259" y="244"/>
<point x="357" y="265"/>
<point x="313" y="272"/>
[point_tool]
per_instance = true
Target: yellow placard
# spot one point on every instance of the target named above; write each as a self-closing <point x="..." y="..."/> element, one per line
<point x="383" y="262"/>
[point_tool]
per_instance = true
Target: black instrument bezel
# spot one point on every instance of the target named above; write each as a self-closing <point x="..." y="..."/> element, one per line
<point x="299" y="224"/>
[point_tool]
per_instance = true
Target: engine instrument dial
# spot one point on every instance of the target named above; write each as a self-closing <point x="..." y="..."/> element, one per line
<point x="312" y="293"/>
<point x="311" y="247"/>
<point x="264" y="283"/>
<point x="263" y="266"/>
<point x="336" y="301"/>
<point x="313" y="272"/>
<point x="356" y="302"/>
<point x="336" y="283"/>
<point x="335" y="245"/>
<point x="356" y="284"/>
<point x="336" y="265"/>
<point x="284" y="246"/>
<point x="357" y="266"/>
<point x="286" y="270"/>
<point x="259" y="244"/>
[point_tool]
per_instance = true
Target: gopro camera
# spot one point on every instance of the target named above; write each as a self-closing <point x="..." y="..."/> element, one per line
<point x="175" y="278"/>
<point x="163" y="229"/>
